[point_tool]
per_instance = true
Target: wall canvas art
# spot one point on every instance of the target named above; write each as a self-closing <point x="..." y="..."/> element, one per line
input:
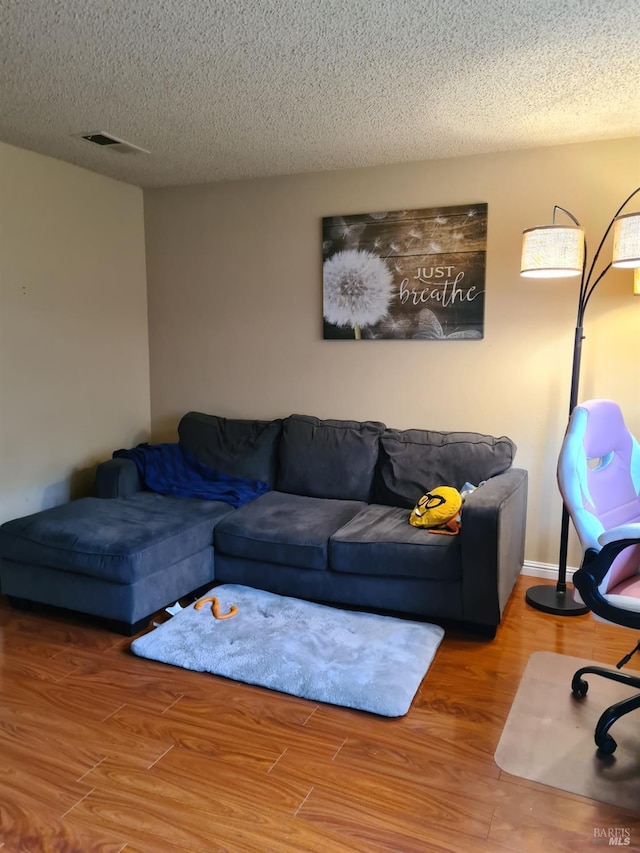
<point x="410" y="274"/>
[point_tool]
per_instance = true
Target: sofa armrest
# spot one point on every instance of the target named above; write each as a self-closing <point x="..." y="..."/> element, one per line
<point x="492" y="545"/>
<point x="117" y="478"/>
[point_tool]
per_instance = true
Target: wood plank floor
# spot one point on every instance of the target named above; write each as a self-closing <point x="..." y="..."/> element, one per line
<point x="103" y="751"/>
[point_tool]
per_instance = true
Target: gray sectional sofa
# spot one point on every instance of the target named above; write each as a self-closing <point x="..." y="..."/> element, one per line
<point x="332" y="527"/>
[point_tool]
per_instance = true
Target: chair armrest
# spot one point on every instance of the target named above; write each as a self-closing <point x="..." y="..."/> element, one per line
<point x="117" y="478"/>
<point x="492" y="545"/>
<point x="623" y="531"/>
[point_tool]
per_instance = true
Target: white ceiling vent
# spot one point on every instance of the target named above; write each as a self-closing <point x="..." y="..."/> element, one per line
<point x="108" y="140"/>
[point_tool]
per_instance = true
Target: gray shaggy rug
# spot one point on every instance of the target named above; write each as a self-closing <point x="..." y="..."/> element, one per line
<point x="357" y="660"/>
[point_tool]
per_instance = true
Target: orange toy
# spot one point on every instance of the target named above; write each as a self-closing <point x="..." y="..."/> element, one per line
<point x="215" y="607"/>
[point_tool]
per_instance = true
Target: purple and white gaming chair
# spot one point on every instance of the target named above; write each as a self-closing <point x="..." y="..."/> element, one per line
<point x="599" y="480"/>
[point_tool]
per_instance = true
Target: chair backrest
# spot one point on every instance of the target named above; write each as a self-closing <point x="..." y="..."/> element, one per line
<point x="599" y="471"/>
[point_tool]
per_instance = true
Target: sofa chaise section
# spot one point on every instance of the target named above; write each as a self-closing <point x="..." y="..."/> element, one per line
<point x="121" y="559"/>
<point x="128" y="552"/>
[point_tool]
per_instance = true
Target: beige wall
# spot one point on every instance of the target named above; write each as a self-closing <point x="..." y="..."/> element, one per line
<point x="235" y="305"/>
<point x="74" y="361"/>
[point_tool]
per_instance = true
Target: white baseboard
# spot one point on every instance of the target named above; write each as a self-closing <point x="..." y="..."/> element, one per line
<point x="544" y="570"/>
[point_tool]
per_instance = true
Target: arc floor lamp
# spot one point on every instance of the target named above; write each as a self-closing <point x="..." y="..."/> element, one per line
<point x="560" y="251"/>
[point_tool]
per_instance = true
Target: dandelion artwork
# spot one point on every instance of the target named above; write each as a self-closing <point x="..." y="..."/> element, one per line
<point x="357" y="289"/>
<point x="409" y="274"/>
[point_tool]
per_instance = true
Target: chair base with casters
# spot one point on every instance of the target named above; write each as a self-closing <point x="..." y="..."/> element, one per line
<point x="579" y="687"/>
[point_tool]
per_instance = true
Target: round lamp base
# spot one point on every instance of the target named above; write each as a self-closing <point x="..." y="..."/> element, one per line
<point x="550" y="600"/>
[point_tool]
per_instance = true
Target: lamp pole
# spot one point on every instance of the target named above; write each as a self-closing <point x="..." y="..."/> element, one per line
<point x="558" y="600"/>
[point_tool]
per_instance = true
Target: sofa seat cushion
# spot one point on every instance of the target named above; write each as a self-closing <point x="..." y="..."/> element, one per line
<point x="380" y="541"/>
<point x="290" y="530"/>
<point x="121" y="539"/>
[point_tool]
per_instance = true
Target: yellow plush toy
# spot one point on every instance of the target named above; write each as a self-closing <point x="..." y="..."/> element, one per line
<point x="439" y="511"/>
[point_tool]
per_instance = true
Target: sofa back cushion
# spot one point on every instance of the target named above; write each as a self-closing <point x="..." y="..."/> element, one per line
<point x="412" y="461"/>
<point x="328" y="458"/>
<point x="241" y="448"/>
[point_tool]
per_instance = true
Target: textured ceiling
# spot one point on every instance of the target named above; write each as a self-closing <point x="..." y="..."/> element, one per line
<point x="225" y="89"/>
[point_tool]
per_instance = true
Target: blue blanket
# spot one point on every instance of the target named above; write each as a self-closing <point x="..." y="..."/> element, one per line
<point x="169" y="469"/>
